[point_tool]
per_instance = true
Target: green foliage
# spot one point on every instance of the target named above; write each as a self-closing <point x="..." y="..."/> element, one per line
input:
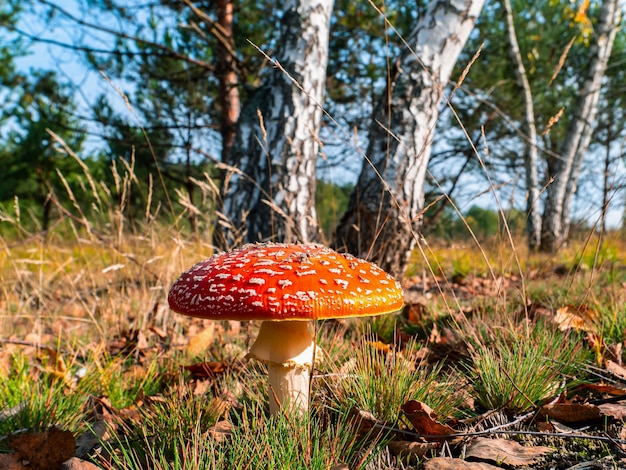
<point x="35" y="167"/>
<point x="516" y="372"/>
<point x="380" y="380"/>
<point x="331" y="201"/>
<point x="37" y="398"/>
<point x="483" y="222"/>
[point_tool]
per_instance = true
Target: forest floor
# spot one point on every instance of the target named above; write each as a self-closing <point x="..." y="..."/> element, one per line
<point x="500" y="359"/>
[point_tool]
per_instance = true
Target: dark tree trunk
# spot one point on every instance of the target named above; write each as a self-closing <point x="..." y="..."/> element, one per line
<point x="225" y="69"/>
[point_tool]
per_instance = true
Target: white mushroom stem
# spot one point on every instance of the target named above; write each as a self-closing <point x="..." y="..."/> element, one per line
<point x="287" y="348"/>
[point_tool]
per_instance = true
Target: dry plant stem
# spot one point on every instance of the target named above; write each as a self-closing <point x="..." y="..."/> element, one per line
<point x="287" y="348"/>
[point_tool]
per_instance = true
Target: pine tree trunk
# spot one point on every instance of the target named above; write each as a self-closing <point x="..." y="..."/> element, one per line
<point x="555" y="226"/>
<point x="384" y="212"/>
<point x="228" y="98"/>
<point x="270" y="187"/>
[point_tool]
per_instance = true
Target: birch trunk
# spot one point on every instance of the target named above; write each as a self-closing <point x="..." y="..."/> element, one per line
<point x="384" y="212"/>
<point x="529" y="129"/>
<point x="269" y="190"/>
<point x="567" y="168"/>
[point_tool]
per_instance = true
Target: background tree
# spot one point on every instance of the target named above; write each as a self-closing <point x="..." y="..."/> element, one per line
<point x="566" y="168"/>
<point x="270" y="192"/>
<point x="528" y="130"/>
<point x="384" y="213"/>
<point x="33" y="166"/>
<point x="554" y="60"/>
<point x="182" y="68"/>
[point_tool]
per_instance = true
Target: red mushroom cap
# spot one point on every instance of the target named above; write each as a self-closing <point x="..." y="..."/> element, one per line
<point x="284" y="282"/>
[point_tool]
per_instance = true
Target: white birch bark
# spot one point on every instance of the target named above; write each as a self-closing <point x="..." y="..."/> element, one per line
<point x="270" y="195"/>
<point x="555" y="225"/>
<point x="384" y="213"/>
<point x="529" y="129"/>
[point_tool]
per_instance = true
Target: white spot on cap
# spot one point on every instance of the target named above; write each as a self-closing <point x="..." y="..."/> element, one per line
<point x="256" y="280"/>
<point x="284" y="283"/>
<point x="342" y="282"/>
<point x="306" y="273"/>
<point x="271" y="272"/>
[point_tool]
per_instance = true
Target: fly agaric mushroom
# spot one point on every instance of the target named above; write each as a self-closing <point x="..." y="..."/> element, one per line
<point x="285" y="286"/>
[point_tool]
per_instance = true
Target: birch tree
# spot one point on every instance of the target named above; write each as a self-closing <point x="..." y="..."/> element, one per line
<point x="383" y="215"/>
<point x="566" y="168"/>
<point x="269" y="185"/>
<point x="529" y="130"/>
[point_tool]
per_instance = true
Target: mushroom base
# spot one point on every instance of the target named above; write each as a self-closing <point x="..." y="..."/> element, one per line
<point x="287" y="348"/>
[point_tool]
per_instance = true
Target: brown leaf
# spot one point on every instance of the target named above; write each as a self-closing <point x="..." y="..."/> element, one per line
<point x="603" y="389"/>
<point x="412" y="450"/>
<point x="221" y="430"/>
<point x="203" y="370"/>
<point x="199" y="343"/>
<point x="570" y="412"/>
<point x="366" y="420"/>
<point x="43" y="450"/>
<point x="580" y="317"/>
<point x="503" y="451"/>
<point x="613" y="410"/>
<point x="103" y="424"/>
<point x="77" y="464"/>
<point x="445" y="463"/>
<point x="424" y="419"/>
<point x="415" y="311"/>
<point x="379" y="346"/>
<point x="615" y="369"/>
<point x="11" y="462"/>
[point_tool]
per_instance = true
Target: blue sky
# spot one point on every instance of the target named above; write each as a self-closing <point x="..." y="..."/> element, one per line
<point x="88" y="85"/>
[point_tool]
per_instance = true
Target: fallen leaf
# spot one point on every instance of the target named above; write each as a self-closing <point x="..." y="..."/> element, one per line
<point x="446" y="463"/>
<point x="580" y="317"/>
<point x="379" y="346"/>
<point x="103" y="425"/>
<point x="613" y="410"/>
<point x="366" y="421"/>
<point x="570" y="412"/>
<point x="11" y="462"/>
<point x="78" y="464"/>
<point x="503" y="451"/>
<point x="424" y="420"/>
<point x="603" y="389"/>
<point x="615" y="369"/>
<point x="199" y="343"/>
<point x="415" y="311"/>
<point x="43" y="450"/>
<point x="203" y="370"/>
<point x="221" y="430"/>
<point x="411" y="450"/>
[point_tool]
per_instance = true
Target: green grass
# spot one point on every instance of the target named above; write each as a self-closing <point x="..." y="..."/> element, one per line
<point x="516" y="372"/>
<point x="84" y="320"/>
